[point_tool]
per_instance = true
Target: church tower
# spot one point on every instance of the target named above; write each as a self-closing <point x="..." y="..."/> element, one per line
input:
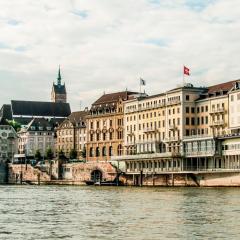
<point x="59" y="93"/>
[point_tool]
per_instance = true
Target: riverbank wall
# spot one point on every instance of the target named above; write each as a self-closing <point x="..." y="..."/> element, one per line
<point x="184" y="179"/>
<point x="62" y="174"/>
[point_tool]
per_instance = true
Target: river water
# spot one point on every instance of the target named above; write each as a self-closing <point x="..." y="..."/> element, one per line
<point x="60" y="212"/>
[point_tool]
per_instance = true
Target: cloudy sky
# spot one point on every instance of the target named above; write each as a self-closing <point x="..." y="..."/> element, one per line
<point x="106" y="45"/>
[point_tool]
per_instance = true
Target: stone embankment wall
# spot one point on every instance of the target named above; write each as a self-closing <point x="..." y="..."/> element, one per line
<point x="28" y="173"/>
<point x="81" y="172"/>
<point x="213" y="179"/>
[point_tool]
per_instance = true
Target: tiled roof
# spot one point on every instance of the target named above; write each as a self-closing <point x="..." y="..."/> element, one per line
<point x="221" y="87"/>
<point x="41" y="109"/>
<point x="77" y="117"/>
<point x="113" y="97"/>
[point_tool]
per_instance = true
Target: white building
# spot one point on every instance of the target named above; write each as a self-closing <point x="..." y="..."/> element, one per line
<point x="37" y="135"/>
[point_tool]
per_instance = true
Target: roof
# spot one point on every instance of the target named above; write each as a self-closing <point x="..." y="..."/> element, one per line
<point x="59" y="89"/>
<point x="114" y="97"/>
<point x="5" y="114"/>
<point x="41" y="109"/>
<point x="227" y="86"/>
<point x="77" y="117"/>
<point x="40" y="124"/>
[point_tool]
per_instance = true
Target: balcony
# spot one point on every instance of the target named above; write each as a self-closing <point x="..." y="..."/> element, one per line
<point x="146" y="156"/>
<point x="203" y="153"/>
<point x="172" y="127"/>
<point x="154" y="106"/>
<point x="130" y="133"/>
<point x="150" y="129"/>
<point x="174" y="102"/>
<point x="217" y="123"/>
<point x="218" y="110"/>
<point x="171" y="139"/>
<point x="197" y="137"/>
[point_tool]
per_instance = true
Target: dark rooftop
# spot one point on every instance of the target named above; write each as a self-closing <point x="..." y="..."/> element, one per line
<point x="41" y="109"/>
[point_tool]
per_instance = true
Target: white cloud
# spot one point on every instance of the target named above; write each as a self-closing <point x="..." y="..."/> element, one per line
<point x="107" y="45"/>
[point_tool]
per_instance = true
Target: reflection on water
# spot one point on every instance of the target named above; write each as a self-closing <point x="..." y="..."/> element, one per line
<point x="54" y="212"/>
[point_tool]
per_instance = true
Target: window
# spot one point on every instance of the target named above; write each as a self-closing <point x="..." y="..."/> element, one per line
<point x="91" y="154"/>
<point x="110" y="151"/>
<point x="193" y="121"/>
<point x="97" y="152"/>
<point x="104" y="152"/>
<point x="192" y="110"/>
<point x="187" y="109"/>
<point x="187" y="121"/>
<point x="202" y="109"/>
<point x="187" y="98"/>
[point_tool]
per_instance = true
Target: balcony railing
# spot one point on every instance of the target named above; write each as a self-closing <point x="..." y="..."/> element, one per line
<point x="173" y="102"/>
<point x="195" y="137"/>
<point x="172" y="127"/>
<point x="145" y="156"/>
<point x="217" y="123"/>
<point x="218" y="110"/>
<point x="150" y="129"/>
<point x="145" y="108"/>
<point x="171" y="139"/>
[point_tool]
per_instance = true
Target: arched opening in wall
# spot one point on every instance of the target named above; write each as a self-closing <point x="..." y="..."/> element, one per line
<point x="110" y="151"/>
<point x="91" y="154"/>
<point x="119" y="149"/>
<point x="96" y="176"/>
<point x="104" y="151"/>
<point x="97" y="152"/>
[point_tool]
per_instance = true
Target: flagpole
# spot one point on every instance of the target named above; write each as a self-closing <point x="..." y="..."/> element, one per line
<point x="183" y="75"/>
<point x="140" y="88"/>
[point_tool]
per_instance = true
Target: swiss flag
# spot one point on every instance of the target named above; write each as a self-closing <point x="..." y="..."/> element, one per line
<point x="186" y="71"/>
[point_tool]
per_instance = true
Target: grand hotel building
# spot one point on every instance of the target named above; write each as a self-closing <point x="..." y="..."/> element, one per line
<point x="185" y="129"/>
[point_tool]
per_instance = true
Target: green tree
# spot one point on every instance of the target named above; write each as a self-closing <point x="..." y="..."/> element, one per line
<point x="16" y="125"/>
<point x="38" y="155"/>
<point x="61" y="154"/>
<point x="49" y="154"/>
<point x="83" y="152"/>
<point x="73" y="154"/>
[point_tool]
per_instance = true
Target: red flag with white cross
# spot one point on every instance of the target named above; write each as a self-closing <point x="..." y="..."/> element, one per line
<point x="186" y="71"/>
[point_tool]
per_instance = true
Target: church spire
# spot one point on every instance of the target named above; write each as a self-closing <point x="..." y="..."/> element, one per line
<point x="59" y="77"/>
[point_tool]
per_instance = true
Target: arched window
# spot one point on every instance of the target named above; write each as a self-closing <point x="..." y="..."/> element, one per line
<point x="110" y="151"/>
<point x="91" y="154"/>
<point x="104" y="151"/>
<point x="97" y="152"/>
<point x="119" y="149"/>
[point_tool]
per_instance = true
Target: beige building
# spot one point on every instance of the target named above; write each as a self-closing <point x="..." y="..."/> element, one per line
<point x="105" y="126"/>
<point x="72" y="134"/>
<point x="184" y="129"/>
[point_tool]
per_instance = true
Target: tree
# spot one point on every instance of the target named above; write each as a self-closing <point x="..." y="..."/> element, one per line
<point x="38" y="155"/>
<point x="61" y="155"/>
<point x="16" y="125"/>
<point x="73" y="154"/>
<point x="83" y="152"/>
<point x="49" y="153"/>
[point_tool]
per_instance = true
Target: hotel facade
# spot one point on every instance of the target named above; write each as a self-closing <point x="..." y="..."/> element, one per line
<point x="186" y="129"/>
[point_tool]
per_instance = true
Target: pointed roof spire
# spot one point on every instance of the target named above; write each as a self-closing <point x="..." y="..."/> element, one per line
<point x="59" y="76"/>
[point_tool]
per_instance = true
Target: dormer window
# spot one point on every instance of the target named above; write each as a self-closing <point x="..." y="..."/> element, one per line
<point x="40" y="128"/>
<point x="33" y="128"/>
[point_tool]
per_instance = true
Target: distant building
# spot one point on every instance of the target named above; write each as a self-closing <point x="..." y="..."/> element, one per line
<point x="37" y="135"/>
<point x="105" y="126"/>
<point x="59" y="93"/>
<point x="71" y="134"/>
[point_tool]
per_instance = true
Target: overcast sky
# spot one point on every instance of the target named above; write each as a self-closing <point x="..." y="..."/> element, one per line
<point x="107" y="45"/>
